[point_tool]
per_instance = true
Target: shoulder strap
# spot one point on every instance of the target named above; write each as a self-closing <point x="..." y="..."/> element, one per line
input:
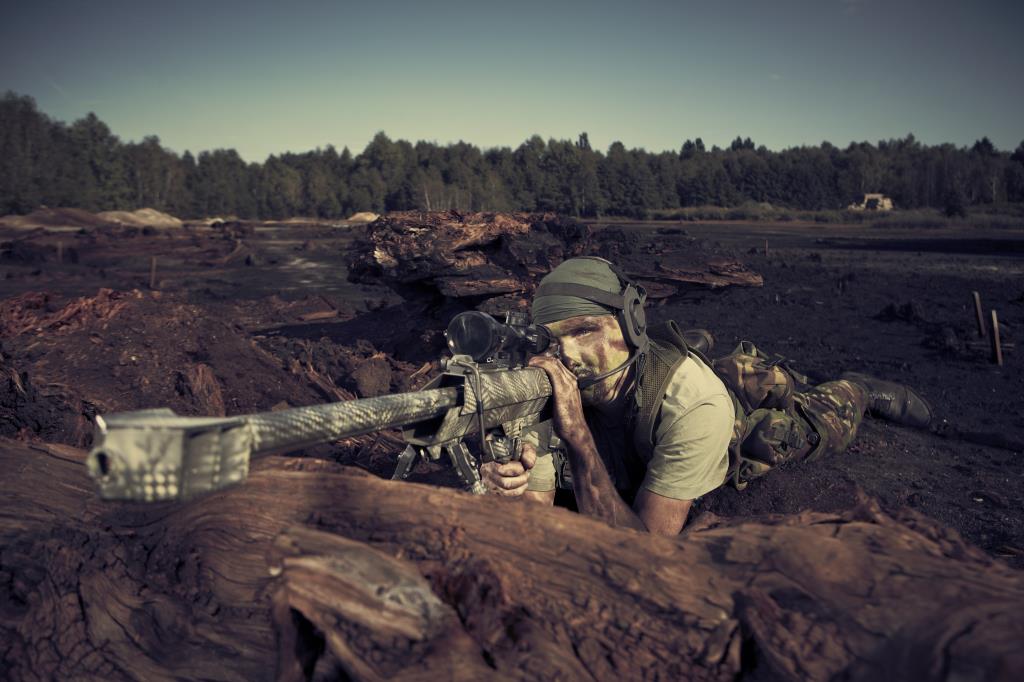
<point x="670" y="333"/>
<point x="663" y="360"/>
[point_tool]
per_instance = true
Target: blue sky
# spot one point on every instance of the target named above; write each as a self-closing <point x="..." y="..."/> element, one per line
<point x="264" y="78"/>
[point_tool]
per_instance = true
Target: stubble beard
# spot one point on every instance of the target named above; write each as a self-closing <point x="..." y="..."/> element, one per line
<point x="595" y="394"/>
<point x="582" y="372"/>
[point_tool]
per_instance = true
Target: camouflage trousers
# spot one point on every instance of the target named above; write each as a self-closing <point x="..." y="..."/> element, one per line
<point x="780" y="417"/>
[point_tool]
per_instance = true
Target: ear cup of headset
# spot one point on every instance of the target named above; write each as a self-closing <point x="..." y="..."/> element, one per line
<point x="634" y="319"/>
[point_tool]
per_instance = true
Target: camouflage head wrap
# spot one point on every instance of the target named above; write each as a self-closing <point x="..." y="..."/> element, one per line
<point x="586" y="271"/>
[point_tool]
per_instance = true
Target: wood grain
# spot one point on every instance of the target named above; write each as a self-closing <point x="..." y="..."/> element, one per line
<point x="312" y="569"/>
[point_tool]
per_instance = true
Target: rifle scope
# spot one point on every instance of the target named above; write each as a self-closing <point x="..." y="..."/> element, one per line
<point x="487" y="340"/>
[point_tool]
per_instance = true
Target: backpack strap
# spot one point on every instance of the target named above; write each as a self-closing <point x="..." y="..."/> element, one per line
<point x="672" y="351"/>
<point x="667" y="353"/>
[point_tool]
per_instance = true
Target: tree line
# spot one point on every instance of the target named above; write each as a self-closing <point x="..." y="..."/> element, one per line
<point x="47" y="162"/>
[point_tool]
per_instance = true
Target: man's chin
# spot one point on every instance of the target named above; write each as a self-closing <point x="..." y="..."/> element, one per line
<point x="586" y="394"/>
<point x="591" y="395"/>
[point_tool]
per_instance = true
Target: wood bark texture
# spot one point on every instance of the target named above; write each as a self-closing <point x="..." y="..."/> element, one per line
<point x="312" y="570"/>
<point x="487" y="255"/>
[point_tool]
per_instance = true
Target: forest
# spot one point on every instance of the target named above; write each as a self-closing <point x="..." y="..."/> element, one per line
<point x="44" y="162"/>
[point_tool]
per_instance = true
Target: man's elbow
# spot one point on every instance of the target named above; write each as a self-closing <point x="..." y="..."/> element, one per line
<point x="661" y="515"/>
<point x="668" y="527"/>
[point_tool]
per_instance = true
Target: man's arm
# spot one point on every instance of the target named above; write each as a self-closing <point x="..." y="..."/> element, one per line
<point x="690" y="459"/>
<point x="659" y="514"/>
<point x="595" y="493"/>
<point x="662" y="515"/>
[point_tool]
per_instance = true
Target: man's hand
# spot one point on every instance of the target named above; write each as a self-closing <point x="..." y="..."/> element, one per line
<point x="570" y="425"/>
<point x="509" y="479"/>
<point x="595" y="492"/>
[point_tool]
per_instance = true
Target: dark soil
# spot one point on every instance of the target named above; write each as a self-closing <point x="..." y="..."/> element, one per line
<point x="253" y="318"/>
<point x="898" y="306"/>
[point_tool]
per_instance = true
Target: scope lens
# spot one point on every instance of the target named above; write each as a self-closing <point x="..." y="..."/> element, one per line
<point x="472" y="333"/>
<point x="542" y="338"/>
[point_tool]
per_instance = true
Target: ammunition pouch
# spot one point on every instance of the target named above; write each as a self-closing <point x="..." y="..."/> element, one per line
<point x="770" y="438"/>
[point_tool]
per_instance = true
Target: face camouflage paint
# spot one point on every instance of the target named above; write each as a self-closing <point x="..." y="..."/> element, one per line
<point x="592" y="345"/>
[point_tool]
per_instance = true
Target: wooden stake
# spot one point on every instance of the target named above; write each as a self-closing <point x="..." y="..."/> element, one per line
<point x="765" y="248"/>
<point x="60" y="252"/>
<point x="981" y="318"/>
<point x="152" y="272"/>
<point x="997" y="349"/>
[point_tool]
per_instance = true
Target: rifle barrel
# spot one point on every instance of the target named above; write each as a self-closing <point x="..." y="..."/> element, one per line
<point x="304" y="426"/>
<point x="151" y="455"/>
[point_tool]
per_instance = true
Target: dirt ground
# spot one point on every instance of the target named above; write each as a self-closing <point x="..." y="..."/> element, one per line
<point x="897" y="305"/>
<point x="245" y="318"/>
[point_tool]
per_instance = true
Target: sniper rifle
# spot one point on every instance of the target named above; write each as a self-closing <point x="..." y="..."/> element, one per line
<point x="485" y="389"/>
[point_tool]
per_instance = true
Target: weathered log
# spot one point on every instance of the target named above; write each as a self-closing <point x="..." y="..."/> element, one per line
<point x="474" y="255"/>
<point x="241" y="254"/>
<point x="378" y="617"/>
<point x="192" y="591"/>
<point x="716" y="272"/>
<point x="470" y="286"/>
<point x="409" y="246"/>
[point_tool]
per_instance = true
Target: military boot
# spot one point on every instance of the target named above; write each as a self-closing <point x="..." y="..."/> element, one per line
<point x="701" y="340"/>
<point x="893" y="401"/>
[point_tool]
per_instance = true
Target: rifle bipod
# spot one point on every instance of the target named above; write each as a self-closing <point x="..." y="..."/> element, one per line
<point x="461" y="458"/>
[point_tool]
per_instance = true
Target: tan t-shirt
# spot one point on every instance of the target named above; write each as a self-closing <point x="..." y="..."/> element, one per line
<point x="691" y="438"/>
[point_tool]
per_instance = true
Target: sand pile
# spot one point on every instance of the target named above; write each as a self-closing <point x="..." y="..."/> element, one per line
<point x="77" y="217"/>
<point x="54" y="217"/>
<point x="363" y="217"/>
<point x="144" y="217"/>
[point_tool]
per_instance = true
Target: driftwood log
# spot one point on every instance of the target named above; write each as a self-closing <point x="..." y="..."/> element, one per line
<point x="312" y="570"/>
<point x="486" y="256"/>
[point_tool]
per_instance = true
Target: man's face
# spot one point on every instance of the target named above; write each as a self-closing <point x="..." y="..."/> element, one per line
<point x="592" y="345"/>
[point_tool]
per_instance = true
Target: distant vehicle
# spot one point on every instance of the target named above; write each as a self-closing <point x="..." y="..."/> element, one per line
<point x="872" y="202"/>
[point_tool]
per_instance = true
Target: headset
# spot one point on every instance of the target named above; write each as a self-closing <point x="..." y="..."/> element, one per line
<point x="629" y="307"/>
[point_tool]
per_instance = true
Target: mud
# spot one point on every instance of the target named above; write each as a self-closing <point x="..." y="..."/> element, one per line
<point x="243" y="317"/>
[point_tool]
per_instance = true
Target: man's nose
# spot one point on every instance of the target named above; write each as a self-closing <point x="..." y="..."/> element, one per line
<point x="568" y="352"/>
